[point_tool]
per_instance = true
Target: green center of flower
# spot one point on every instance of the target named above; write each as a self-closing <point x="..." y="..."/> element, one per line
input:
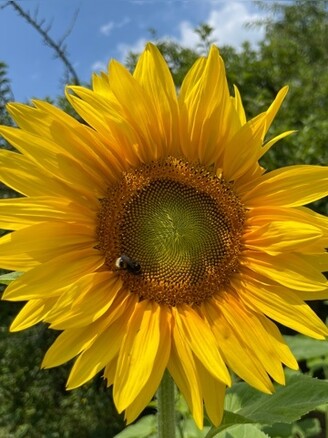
<point x="172" y="231"/>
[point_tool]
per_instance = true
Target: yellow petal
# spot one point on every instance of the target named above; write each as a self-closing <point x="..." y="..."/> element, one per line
<point x="213" y="393"/>
<point x="274" y="107"/>
<point x="208" y="116"/>
<point x="141" y="114"/>
<point x="183" y="369"/>
<point x="109" y="371"/>
<point x="247" y="326"/>
<point x="51" y="123"/>
<point x="234" y="347"/>
<point x="17" y="213"/>
<point x="67" y="268"/>
<point x="278" y="237"/>
<point x="245" y="148"/>
<point x="290" y="270"/>
<point x="42" y="242"/>
<point x="242" y="151"/>
<point x="89" y="298"/>
<point x="71" y="342"/>
<point x="108" y="120"/>
<point x="155" y="78"/>
<point x="304" y="218"/>
<point x="52" y="158"/>
<point x="321" y="262"/>
<point x="93" y="109"/>
<point x="268" y="145"/>
<point x="201" y="341"/>
<point x="19" y="173"/>
<point x="278" y="343"/>
<point x="150" y="387"/>
<point x="103" y="349"/>
<point x="192" y="78"/>
<point x="38" y="119"/>
<point x="140" y="347"/>
<point x="33" y="312"/>
<point x="100" y="84"/>
<point x="282" y="305"/>
<point x="291" y="186"/>
<point x="238" y="104"/>
<point x="96" y="356"/>
<point x="259" y="216"/>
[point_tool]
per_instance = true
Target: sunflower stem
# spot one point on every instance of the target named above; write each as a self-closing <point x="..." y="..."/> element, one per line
<point x="166" y="412"/>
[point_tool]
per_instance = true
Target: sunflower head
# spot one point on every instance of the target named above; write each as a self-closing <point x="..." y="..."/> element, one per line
<point x="151" y="236"/>
<point x="177" y="226"/>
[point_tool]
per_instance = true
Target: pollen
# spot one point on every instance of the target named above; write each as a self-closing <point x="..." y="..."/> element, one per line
<point x="182" y="225"/>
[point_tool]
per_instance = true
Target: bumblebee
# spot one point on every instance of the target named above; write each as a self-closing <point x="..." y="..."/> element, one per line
<point x="125" y="262"/>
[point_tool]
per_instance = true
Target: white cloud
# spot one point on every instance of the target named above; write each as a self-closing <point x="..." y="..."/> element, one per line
<point x="123" y="50"/>
<point x="229" y="27"/>
<point x="107" y="28"/>
<point x="228" y="20"/>
<point x="99" y="65"/>
<point x="189" y="37"/>
<point x="136" y="47"/>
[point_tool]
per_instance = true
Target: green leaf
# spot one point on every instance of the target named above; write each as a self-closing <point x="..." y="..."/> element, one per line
<point x="7" y="278"/>
<point x="230" y="419"/>
<point x="301" y="395"/>
<point x="305" y="348"/>
<point x="307" y="428"/>
<point x="317" y="363"/>
<point x="190" y="430"/>
<point x="144" y="428"/>
<point x="240" y="431"/>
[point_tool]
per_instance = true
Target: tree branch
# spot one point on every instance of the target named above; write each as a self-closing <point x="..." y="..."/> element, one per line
<point x="58" y="47"/>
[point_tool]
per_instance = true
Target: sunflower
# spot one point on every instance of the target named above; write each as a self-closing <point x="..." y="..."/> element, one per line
<point x="151" y="236"/>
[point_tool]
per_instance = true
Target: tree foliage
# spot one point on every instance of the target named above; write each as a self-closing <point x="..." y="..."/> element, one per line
<point x="295" y="52"/>
<point x="34" y="402"/>
<point x="5" y="95"/>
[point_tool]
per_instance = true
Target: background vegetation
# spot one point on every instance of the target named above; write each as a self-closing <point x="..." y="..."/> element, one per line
<point x="294" y="51"/>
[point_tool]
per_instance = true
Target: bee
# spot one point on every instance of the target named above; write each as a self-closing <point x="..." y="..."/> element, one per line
<point x="125" y="262"/>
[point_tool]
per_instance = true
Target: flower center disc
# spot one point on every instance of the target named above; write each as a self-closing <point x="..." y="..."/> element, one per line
<point x="180" y="223"/>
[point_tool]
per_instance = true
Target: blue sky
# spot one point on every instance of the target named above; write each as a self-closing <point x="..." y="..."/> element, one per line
<point x="107" y="29"/>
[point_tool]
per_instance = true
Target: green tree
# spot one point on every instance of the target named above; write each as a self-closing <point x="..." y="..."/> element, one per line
<point x="295" y="52"/>
<point x="6" y="96"/>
